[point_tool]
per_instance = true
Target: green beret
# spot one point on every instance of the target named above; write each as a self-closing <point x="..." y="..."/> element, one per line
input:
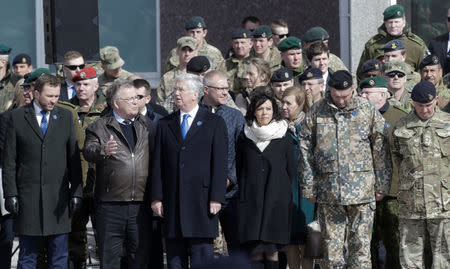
<point x="394" y="66"/>
<point x="373" y="82"/>
<point x="37" y="73"/>
<point x="394" y="12"/>
<point x="262" y="31"/>
<point x="4" y="50"/>
<point x="290" y="43"/>
<point x="315" y="34"/>
<point x="194" y="23"/>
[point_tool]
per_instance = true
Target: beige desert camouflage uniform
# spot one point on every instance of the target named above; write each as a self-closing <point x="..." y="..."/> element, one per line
<point x="421" y="150"/>
<point x="104" y="81"/>
<point x="344" y="161"/>
<point x="165" y="88"/>
<point x="274" y="58"/>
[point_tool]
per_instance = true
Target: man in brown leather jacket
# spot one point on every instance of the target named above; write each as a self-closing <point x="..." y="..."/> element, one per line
<point x="118" y="144"/>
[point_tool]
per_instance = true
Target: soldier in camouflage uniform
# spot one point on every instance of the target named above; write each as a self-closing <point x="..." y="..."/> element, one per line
<point x="235" y="66"/>
<point x="385" y="238"/>
<point x="263" y="47"/>
<point x="112" y="67"/>
<point x="318" y="34"/>
<point x="186" y="50"/>
<point x="195" y="27"/>
<point x="395" y="74"/>
<point x="394" y="50"/>
<point x="8" y="80"/>
<point x="394" y="28"/>
<point x="291" y="55"/>
<point x="431" y="70"/>
<point x="421" y="149"/>
<point x="345" y="166"/>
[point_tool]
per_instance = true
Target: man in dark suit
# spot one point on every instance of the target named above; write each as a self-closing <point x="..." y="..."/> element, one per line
<point x="189" y="175"/>
<point x="73" y="63"/>
<point x="41" y="174"/>
<point x="440" y="46"/>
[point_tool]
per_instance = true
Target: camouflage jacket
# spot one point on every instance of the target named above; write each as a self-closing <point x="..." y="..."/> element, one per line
<point x="274" y="58"/>
<point x="236" y="70"/>
<point x="336" y="63"/>
<point x="405" y="100"/>
<point x="206" y="50"/>
<point x="414" y="45"/>
<point x="443" y="93"/>
<point x="165" y="88"/>
<point x="345" y="155"/>
<point x="412" y="78"/>
<point x="421" y="150"/>
<point x="104" y="81"/>
<point x="8" y="89"/>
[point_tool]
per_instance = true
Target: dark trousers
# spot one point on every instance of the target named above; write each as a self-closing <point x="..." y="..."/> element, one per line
<point x="156" y="251"/>
<point x="56" y="246"/>
<point x="228" y="220"/>
<point x="123" y="234"/>
<point x="6" y="241"/>
<point x="178" y="249"/>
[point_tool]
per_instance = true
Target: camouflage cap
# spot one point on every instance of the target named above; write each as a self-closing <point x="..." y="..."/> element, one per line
<point x="85" y="73"/>
<point x="37" y="73"/>
<point x="290" y="43"/>
<point x="341" y="80"/>
<point x="424" y="92"/>
<point x="393" y="45"/>
<point x="429" y="60"/>
<point x="194" y="23"/>
<point x="373" y="82"/>
<point x="109" y="56"/>
<point x="262" y="31"/>
<point x="315" y="34"/>
<point x="371" y="65"/>
<point x="241" y="33"/>
<point x="394" y="12"/>
<point x="281" y="75"/>
<point x="311" y="73"/>
<point x="187" y="41"/>
<point x="394" y="66"/>
<point x="22" y="59"/>
<point x="4" y="50"/>
<point x="198" y="64"/>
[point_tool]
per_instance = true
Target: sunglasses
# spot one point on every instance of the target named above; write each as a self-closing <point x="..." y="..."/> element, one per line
<point x="395" y="73"/>
<point x="74" y="67"/>
<point x="282" y="36"/>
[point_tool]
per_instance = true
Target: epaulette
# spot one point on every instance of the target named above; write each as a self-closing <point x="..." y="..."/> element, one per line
<point x="64" y="103"/>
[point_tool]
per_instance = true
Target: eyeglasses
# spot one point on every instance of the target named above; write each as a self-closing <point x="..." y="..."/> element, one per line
<point x="282" y="36"/>
<point x="140" y="97"/>
<point x="224" y="89"/>
<point x="395" y="73"/>
<point x="74" y="67"/>
<point x="130" y="99"/>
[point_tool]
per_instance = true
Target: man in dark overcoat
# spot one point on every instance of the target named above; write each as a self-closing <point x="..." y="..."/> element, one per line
<point x="42" y="174"/>
<point x="189" y="175"/>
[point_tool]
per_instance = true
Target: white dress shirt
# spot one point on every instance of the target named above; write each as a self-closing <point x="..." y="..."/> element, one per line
<point x="192" y="114"/>
<point x="37" y="112"/>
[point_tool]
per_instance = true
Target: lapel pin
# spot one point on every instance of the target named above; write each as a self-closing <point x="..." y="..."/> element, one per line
<point x="199" y="123"/>
<point x="55" y="117"/>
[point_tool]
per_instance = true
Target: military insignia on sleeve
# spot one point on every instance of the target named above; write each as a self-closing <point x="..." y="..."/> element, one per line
<point x="345" y="83"/>
<point x="82" y="75"/>
<point x="24" y="60"/>
<point x="393" y="46"/>
<point x="371" y="82"/>
<point x="286" y="75"/>
<point x="309" y="75"/>
<point x="199" y="25"/>
<point x="263" y="35"/>
<point x="244" y="34"/>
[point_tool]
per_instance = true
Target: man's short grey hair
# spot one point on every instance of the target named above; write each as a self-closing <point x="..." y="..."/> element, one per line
<point x="193" y="82"/>
<point x="213" y="75"/>
<point x="112" y="93"/>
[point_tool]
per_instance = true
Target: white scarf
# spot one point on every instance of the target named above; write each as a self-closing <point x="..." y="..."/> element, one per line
<point x="261" y="135"/>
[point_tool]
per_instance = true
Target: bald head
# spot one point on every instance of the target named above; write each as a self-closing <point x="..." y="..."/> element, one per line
<point x="215" y="88"/>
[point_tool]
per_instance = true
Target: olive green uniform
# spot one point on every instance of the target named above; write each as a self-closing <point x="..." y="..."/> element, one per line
<point x="236" y="70"/>
<point x="104" y="81"/>
<point x="405" y="100"/>
<point x="8" y="88"/>
<point x="415" y="47"/>
<point x="443" y="93"/>
<point x="205" y="50"/>
<point x="421" y="149"/>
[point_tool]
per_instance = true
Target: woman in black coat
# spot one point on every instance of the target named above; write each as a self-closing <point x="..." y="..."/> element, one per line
<point x="265" y="169"/>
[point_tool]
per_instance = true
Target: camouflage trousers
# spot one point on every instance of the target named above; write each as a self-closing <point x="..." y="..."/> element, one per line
<point x="386" y="234"/>
<point x="346" y="225"/>
<point x="413" y="234"/>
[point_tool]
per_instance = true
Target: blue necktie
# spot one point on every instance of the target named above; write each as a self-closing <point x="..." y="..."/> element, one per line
<point x="185" y="125"/>
<point x="44" y="122"/>
<point x="74" y="92"/>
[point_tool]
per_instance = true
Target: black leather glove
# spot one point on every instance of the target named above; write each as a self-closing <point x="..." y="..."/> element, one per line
<point x="75" y="205"/>
<point x="12" y="205"/>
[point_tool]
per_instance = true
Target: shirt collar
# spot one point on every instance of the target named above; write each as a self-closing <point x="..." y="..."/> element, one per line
<point x="191" y="113"/>
<point x="37" y="109"/>
<point x="119" y="118"/>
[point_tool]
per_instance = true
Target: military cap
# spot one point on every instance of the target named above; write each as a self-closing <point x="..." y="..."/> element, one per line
<point x="187" y="41"/>
<point x="429" y="60"/>
<point x="85" y="73"/>
<point x="396" y="44"/>
<point x="241" y="33"/>
<point x="394" y="66"/>
<point x="22" y="59"/>
<point x="35" y="75"/>
<point x="315" y="34"/>
<point x="290" y="43"/>
<point x="109" y="56"/>
<point x="26" y="81"/>
<point x="262" y="31"/>
<point x="373" y="82"/>
<point x="371" y="65"/>
<point x="281" y="75"/>
<point x="194" y="23"/>
<point x="4" y="50"/>
<point x="341" y="80"/>
<point x="424" y="92"/>
<point x="394" y="12"/>
<point x="198" y="64"/>
<point x="311" y="73"/>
